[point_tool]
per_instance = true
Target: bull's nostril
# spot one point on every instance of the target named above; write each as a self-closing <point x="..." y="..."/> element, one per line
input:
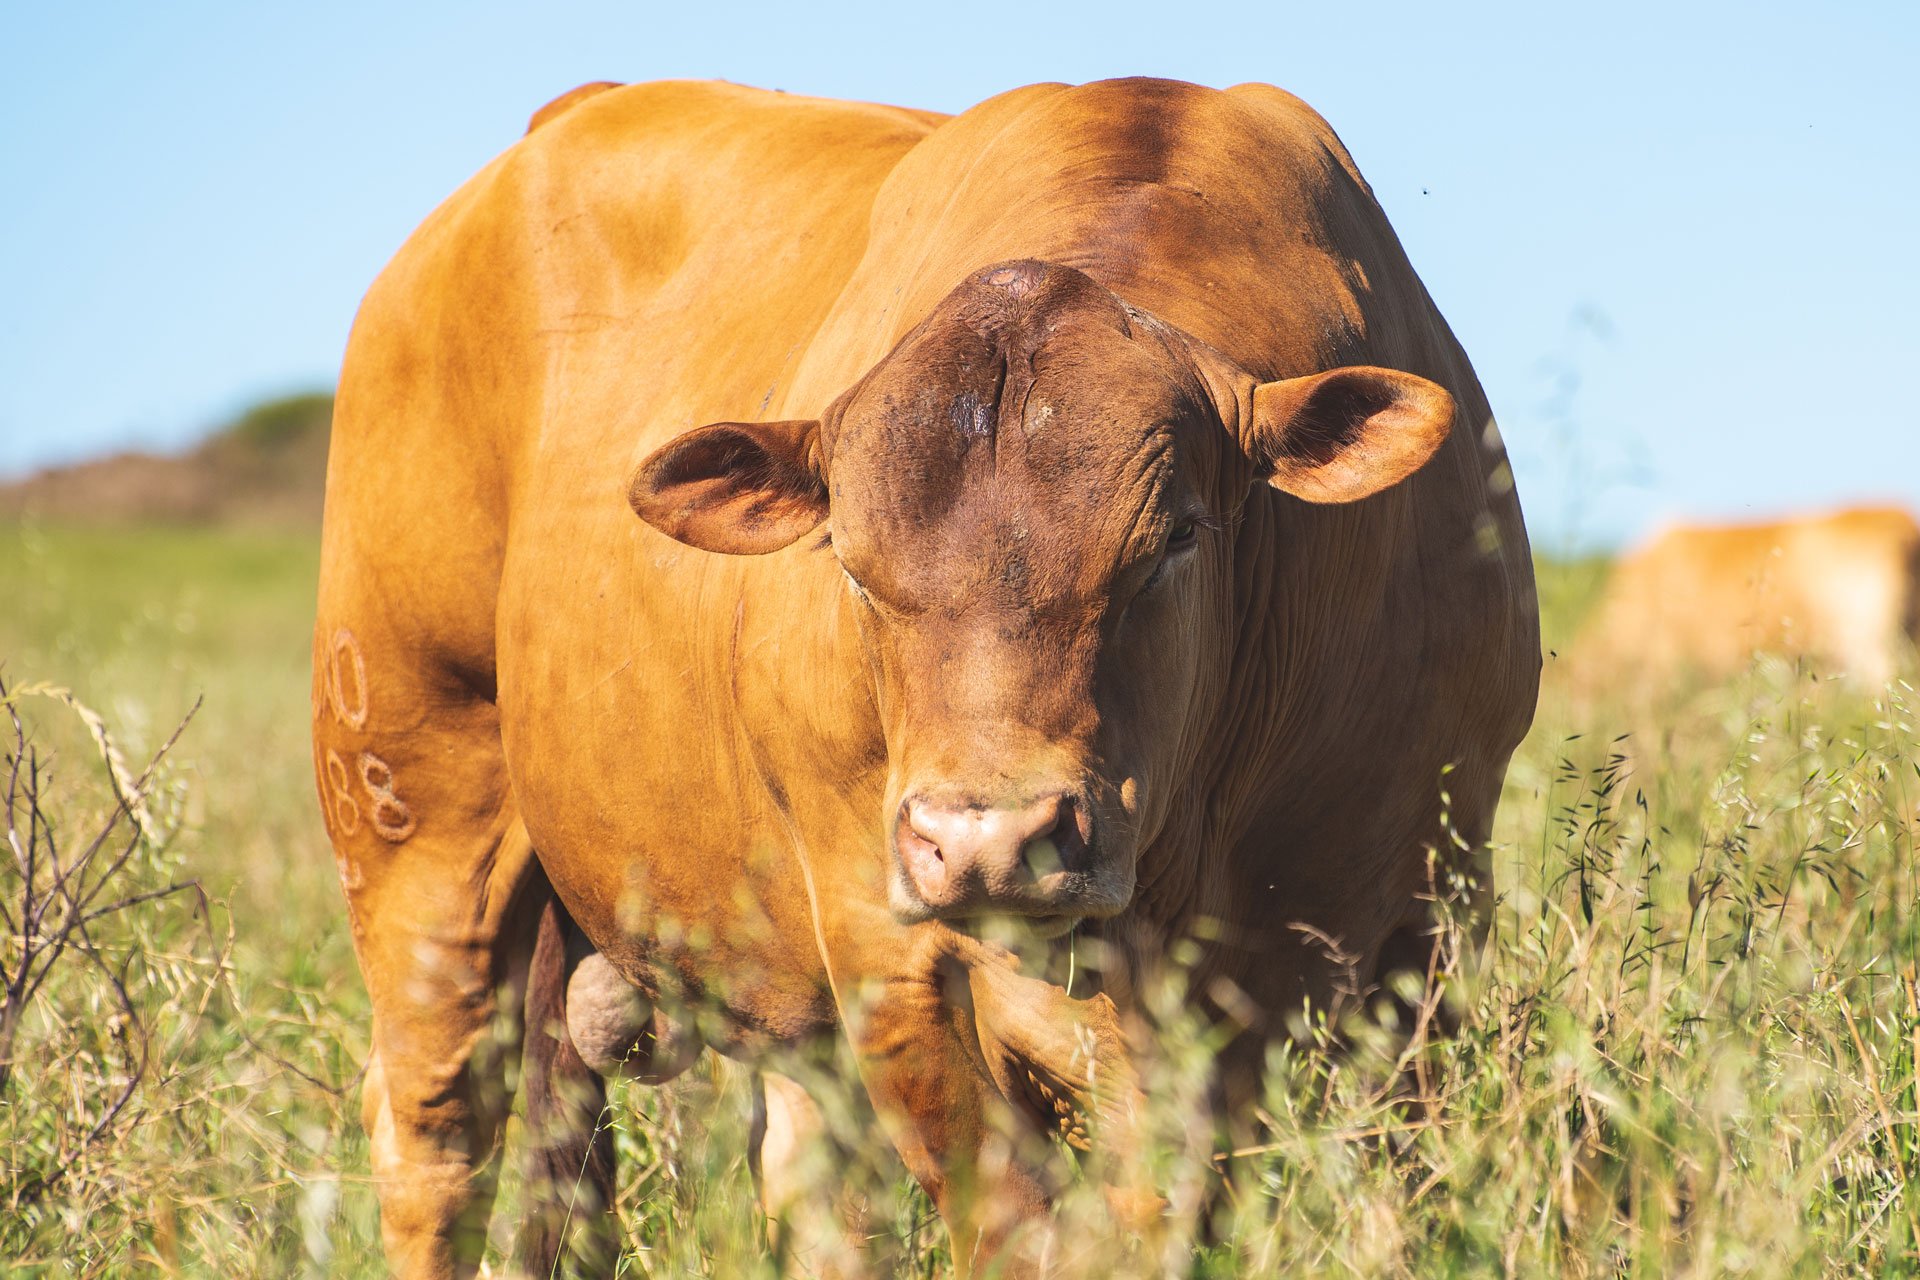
<point x="918" y="826"/>
<point x="1042" y="857"/>
<point x="921" y="856"/>
<point x="1061" y="845"/>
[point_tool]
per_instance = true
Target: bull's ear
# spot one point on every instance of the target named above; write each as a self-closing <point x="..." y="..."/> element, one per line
<point x="1346" y="434"/>
<point x="744" y="488"/>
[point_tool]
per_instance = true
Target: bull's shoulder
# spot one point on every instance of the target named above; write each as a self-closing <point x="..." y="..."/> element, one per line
<point x="569" y="100"/>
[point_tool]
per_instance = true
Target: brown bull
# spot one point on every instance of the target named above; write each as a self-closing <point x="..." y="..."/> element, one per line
<point x="1840" y="590"/>
<point x="1073" y="511"/>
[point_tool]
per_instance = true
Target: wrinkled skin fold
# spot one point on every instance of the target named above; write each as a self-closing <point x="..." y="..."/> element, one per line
<point x="776" y="547"/>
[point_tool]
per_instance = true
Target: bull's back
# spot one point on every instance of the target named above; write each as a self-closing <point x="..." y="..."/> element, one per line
<point x="640" y="262"/>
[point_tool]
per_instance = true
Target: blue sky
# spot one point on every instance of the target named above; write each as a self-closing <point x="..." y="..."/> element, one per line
<point x="1668" y="235"/>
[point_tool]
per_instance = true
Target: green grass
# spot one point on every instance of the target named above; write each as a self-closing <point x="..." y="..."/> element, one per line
<point x="1690" y="1050"/>
<point x="235" y="1153"/>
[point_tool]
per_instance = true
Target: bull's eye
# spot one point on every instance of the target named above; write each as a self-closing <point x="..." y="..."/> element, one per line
<point x="1180" y="539"/>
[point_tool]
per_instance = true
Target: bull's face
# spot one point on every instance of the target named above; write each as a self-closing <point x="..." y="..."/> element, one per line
<point x="1032" y="500"/>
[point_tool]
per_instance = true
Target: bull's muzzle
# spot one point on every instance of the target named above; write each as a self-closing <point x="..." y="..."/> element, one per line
<point x="961" y="857"/>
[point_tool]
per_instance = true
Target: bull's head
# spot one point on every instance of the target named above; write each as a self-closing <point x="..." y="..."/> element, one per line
<point x="1032" y="499"/>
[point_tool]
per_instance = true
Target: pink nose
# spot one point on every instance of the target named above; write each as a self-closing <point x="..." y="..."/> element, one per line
<point x="960" y="857"/>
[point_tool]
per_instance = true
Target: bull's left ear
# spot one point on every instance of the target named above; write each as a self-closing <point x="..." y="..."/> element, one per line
<point x="743" y="488"/>
<point x="1346" y="434"/>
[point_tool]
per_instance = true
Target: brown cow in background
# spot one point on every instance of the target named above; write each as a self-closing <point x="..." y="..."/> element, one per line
<point x="1841" y="591"/>
<point x="769" y="539"/>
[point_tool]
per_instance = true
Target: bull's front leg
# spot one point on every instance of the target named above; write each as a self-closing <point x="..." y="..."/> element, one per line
<point x="949" y="1121"/>
<point x="1069" y="1064"/>
<point x="971" y="1065"/>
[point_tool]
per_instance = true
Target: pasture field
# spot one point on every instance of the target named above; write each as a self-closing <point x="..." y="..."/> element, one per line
<point x="1690" y="1049"/>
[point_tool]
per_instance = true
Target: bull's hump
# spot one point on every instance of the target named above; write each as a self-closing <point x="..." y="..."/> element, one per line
<point x="569" y="100"/>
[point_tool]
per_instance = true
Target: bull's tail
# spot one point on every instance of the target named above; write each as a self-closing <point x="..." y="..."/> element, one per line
<point x="570" y="1168"/>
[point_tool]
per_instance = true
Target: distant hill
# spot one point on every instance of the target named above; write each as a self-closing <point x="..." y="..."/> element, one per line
<point x="267" y="467"/>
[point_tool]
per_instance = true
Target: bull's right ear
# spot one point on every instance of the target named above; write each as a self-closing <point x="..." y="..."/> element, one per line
<point x="743" y="488"/>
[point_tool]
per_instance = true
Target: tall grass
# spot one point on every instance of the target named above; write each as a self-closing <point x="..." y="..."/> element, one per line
<point x="243" y="1154"/>
<point x="1690" y="1046"/>
<point x="1687" y="1048"/>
